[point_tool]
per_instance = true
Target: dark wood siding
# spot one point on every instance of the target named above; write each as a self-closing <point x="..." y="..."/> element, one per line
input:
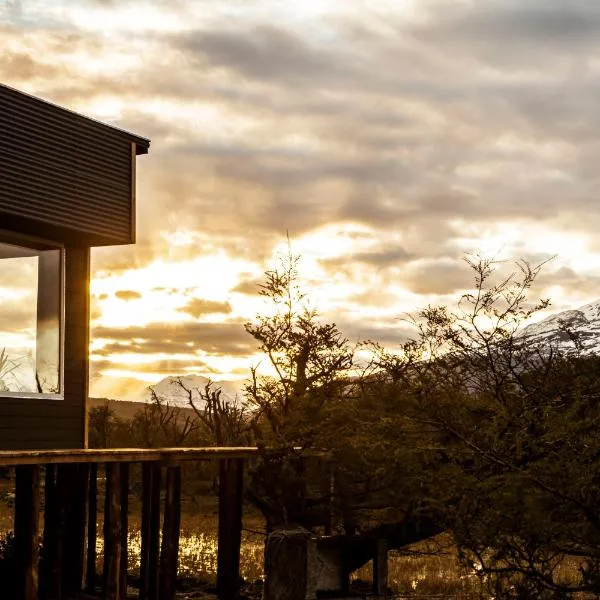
<point x="32" y="423"/>
<point x="64" y="176"/>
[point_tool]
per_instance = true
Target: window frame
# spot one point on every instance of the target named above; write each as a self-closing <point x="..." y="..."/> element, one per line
<point x="37" y="243"/>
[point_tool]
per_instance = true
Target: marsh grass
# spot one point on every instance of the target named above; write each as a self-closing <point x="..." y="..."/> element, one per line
<point x="428" y="570"/>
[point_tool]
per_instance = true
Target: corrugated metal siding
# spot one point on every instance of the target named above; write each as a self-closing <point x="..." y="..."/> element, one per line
<point x="59" y="168"/>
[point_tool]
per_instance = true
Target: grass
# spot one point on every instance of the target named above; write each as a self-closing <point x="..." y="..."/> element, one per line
<point x="428" y="570"/>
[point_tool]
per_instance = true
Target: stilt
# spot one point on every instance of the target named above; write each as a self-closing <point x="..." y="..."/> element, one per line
<point x="169" y="552"/>
<point x="112" y="533"/>
<point x="27" y="507"/>
<point x="231" y="498"/>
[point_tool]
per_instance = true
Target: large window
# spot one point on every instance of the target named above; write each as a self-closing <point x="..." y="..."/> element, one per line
<point x="30" y="318"/>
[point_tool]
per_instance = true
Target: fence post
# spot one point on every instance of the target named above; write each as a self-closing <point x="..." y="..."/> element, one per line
<point x="169" y="552"/>
<point x="380" y="568"/>
<point x="90" y="571"/>
<point x="112" y="534"/>
<point x="231" y="498"/>
<point x="73" y="482"/>
<point x="124" y="527"/>
<point x="50" y="575"/>
<point x="151" y="476"/>
<point x="27" y="506"/>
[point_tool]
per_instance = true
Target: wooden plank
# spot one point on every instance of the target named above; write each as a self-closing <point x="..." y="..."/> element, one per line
<point x="26" y="527"/>
<point x="124" y="527"/>
<point x="380" y="568"/>
<point x="169" y="552"/>
<point x="112" y="534"/>
<point x="114" y="455"/>
<point x="231" y="497"/>
<point x="92" y="518"/>
<point x="150" y="531"/>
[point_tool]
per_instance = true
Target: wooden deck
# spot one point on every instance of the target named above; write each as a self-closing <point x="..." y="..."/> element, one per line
<point x="69" y="533"/>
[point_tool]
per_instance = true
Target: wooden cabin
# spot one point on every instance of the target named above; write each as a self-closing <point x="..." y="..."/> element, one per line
<point x="67" y="184"/>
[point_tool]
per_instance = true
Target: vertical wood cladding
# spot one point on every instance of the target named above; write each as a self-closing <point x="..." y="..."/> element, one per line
<point x="66" y="171"/>
<point x="36" y="423"/>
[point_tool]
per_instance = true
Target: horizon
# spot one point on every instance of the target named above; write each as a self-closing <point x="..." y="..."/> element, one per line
<point x="388" y="138"/>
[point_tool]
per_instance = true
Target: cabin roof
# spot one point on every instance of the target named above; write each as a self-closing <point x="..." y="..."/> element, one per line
<point x="142" y="144"/>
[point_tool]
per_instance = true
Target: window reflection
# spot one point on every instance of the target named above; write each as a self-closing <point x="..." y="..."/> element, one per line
<point x="30" y="320"/>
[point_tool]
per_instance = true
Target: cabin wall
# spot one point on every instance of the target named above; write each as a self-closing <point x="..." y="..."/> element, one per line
<point x="31" y="423"/>
<point x="64" y="177"/>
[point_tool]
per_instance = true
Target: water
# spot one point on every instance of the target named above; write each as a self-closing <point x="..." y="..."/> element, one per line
<point x="437" y="577"/>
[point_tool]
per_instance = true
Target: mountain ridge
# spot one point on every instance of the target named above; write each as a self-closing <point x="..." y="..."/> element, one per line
<point x="583" y="322"/>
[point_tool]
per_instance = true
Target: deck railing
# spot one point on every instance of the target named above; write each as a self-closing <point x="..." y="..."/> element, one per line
<point x="68" y="532"/>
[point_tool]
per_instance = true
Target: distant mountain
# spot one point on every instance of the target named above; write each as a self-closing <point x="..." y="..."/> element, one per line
<point x="583" y="321"/>
<point x="170" y="389"/>
<point x="136" y="391"/>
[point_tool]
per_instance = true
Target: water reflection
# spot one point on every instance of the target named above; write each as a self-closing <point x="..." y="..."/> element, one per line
<point x="198" y="555"/>
<point x="413" y="577"/>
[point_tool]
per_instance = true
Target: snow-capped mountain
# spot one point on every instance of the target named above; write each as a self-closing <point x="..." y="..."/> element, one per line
<point x="584" y="322"/>
<point x="170" y="389"/>
<point x="136" y="390"/>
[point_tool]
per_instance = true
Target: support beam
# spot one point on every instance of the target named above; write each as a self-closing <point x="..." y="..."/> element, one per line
<point x="27" y="506"/>
<point x="231" y="498"/>
<point x="380" y="568"/>
<point x="124" y="527"/>
<point x="112" y="534"/>
<point x="150" y="532"/>
<point x="50" y="574"/>
<point x="92" y="533"/>
<point x="73" y="483"/>
<point x="169" y="552"/>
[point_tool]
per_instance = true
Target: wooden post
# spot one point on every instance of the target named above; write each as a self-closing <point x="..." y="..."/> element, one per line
<point x="155" y="532"/>
<point x="112" y="534"/>
<point x="92" y="516"/>
<point x="124" y="526"/>
<point x="169" y="552"/>
<point x="380" y="568"/>
<point x="150" y="531"/>
<point x="231" y="497"/>
<point x="50" y="574"/>
<point x="27" y="506"/>
<point x="73" y="483"/>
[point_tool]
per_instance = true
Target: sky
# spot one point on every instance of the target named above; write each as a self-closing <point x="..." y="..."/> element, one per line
<point x="389" y="138"/>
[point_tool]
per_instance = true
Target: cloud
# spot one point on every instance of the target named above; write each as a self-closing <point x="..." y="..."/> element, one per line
<point x="379" y="258"/>
<point x="212" y="338"/>
<point x="250" y="287"/>
<point x="440" y="277"/>
<point x="198" y="307"/>
<point x="431" y="128"/>
<point x="128" y="295"/>
<point x="390" y="334"/>
<point x="266" y="53"/>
